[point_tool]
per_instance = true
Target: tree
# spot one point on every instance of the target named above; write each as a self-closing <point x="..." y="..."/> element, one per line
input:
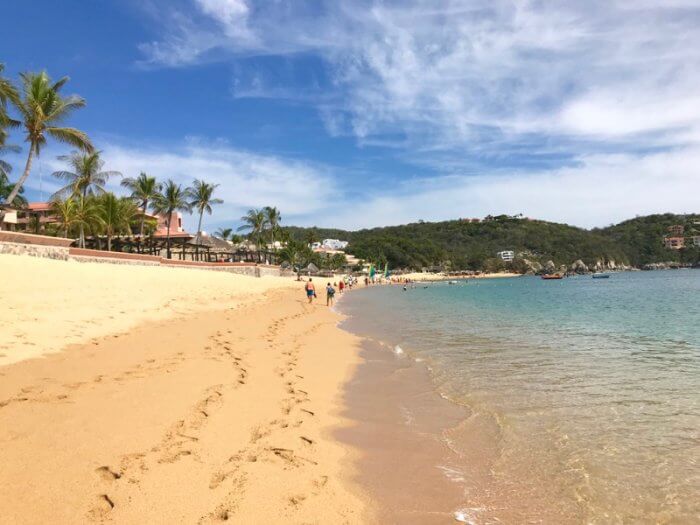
<point x="254" y="223"/>
<point x="87" y="177"/>
<point x="336" y="261"/>
<point x="5" y="189"/>
<point x="223" y="233"/>
<point x="65" y="212"/>
<point x="273" y="217"/>
<point x="293" y="254"/>
<point x="116" y="215"/>
<point x="87" y="215"/>
<point x="202" y="199"/>
<point x="8" y="93"/>
<point x="172" y="197"/>
<point x="143" y="190"/>
<point x="311" y="236"/>
<point x="41" y="108"/>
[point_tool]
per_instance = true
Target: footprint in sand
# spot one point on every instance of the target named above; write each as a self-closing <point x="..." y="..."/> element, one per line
<point x="107" y="473"/>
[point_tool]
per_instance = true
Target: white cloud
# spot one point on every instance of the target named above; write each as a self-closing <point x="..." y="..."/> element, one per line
<point x="603" y="94"/>
<point x="455" y="73"/>
<point x="603" y="189"/>
<point x="246" y="180"/>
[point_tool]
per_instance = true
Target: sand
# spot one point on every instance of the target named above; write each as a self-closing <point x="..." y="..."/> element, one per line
<point x="425" y="277"/>
<point x="191" y="397"/>
<point x="48" y="304"/>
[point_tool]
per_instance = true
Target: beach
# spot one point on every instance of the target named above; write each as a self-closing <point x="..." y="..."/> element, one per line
<point x="136" y="394"/>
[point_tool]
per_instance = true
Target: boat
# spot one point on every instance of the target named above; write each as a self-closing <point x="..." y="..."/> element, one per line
<point x="600" y="275"/>
<point x="549" y="276"/>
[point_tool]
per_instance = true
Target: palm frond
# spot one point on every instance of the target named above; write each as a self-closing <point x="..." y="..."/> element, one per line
<point x="71" y="136"/>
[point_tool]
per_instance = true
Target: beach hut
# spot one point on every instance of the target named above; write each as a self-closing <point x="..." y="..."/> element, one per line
<point x="208" y="247"/>
<point x="311" y="269"/>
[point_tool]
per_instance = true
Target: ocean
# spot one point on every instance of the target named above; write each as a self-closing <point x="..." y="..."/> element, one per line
<point x="581" y="396"/>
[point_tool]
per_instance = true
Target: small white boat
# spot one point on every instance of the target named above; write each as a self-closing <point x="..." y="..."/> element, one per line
<point x="601" y="275"/>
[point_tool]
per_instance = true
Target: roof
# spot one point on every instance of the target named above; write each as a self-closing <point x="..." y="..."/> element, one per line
<point x="209" y="241"/>
<point x="173" y="235"/>
<point x="39" y="206"/>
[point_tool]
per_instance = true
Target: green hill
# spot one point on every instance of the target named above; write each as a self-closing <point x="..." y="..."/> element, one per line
<point x="642" y="237"/>
<point x="468" y="245"/>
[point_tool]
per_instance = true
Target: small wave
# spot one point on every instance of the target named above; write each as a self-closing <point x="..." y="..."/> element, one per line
<point x="467" y="516"/>
<point x="398" y="350"/>
<point x="453" y="474"/>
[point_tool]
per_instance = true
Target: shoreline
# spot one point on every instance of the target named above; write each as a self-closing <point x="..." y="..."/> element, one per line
<point x="223" y="414"/>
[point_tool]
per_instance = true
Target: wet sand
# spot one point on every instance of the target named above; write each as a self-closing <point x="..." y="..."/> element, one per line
<point x="406" y="465"/>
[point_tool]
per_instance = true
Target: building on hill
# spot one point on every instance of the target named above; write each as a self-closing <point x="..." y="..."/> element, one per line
<point x="506" y="255"/>
<point x="676" y="230"/>
<point x="696" y="240"/>
<point x="674" y="242"/>
<point x="330" y="244"/>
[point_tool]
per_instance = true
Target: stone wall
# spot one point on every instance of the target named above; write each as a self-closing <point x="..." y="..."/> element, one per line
<point x="35" y="250"/>
<point x="30" y="238"/>
<point x="97" y="256"/>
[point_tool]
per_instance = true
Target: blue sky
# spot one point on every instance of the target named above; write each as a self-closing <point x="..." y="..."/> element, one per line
<point x="378" y="112"/>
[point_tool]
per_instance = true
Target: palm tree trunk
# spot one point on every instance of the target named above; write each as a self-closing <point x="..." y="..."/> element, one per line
<point x="82" y="236"/>
<point x="143" y="217"/>
<point x="167" y="241"/>
<point x="20" y="182"/>
<point x="199" y="234"/>
<point x="109" y="243"/>
<point x="25" y="175"/>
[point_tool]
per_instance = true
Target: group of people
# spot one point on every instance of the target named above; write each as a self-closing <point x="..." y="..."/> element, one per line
<point x="345" y="282"/>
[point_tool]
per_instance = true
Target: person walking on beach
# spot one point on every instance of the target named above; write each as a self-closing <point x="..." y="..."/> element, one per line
<point x="330" y="292"/>
<point x="341" y="286"/>
<point x="310" y="290"/>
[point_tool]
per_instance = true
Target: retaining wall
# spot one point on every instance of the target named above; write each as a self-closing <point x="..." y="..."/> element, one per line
<point x="35" y="250"/>
<point x="37" y="246"/>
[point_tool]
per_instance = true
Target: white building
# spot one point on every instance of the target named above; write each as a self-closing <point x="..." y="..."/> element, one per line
<point x="506" y="255"/>
<point x="330" y="244"/>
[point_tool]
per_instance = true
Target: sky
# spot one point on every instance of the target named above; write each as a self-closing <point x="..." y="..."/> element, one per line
<point x="378" y="112"/>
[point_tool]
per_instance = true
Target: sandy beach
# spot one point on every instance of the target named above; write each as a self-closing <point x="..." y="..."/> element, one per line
<point x="156" y="395"/>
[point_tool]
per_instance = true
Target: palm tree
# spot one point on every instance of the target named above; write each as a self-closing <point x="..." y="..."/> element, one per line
<point x="171" y="198"/>
<point x="254" y="223"/>
<point x="273" y="217"/>
<point x="8" y="93"/>
<point x="86" y="177"/>
<point x="293" y="253"/>
<point x="116" y="215"/>
<point x="143" y="189"/>
<point x="41" y="108"/>
<point x="224" y="233"/>
<point x="202" y="199"/>
<point x="5" y="189"/>
<point x="87" y="215"/>
<point x="201" y="195"/>
<point x="311" y="236"/>
<point x="65" y="212"/>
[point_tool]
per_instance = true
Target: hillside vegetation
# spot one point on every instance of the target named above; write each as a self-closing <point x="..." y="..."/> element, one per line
<point x="463" y="245"/>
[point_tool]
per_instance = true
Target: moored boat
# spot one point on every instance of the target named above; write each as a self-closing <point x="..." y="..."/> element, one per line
<point x="549" y="276"/>
<point x="600" y="275"/>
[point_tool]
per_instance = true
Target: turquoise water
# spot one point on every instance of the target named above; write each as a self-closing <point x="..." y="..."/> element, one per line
<point x="585" y="393"/>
